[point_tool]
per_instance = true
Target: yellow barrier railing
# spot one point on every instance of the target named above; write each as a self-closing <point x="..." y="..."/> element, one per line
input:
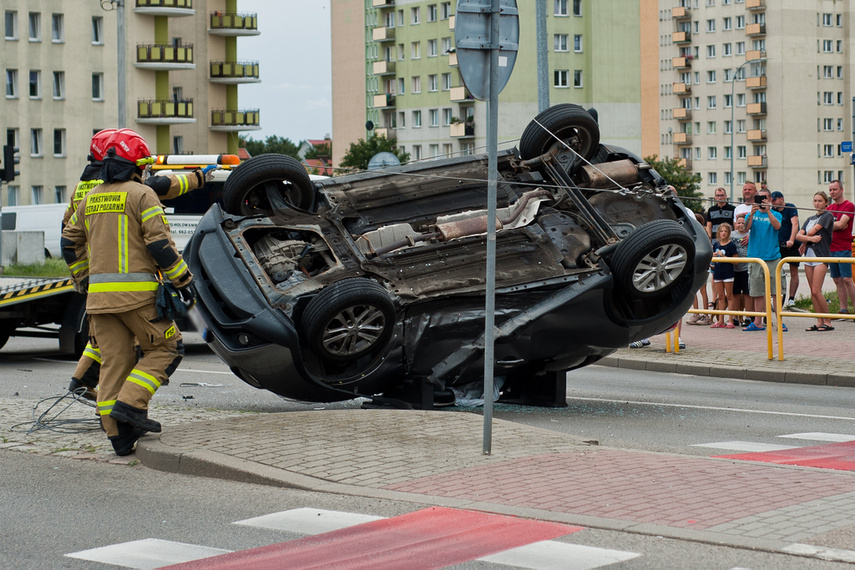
<point x="768" y="294"/>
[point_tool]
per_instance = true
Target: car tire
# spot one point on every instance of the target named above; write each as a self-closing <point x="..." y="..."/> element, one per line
<point x="653" y="259"/>
<point x="572" y="124"/>
<point x="349" y="319"/>
<point x="265" y="182"/>
<point x="7" y="327"/>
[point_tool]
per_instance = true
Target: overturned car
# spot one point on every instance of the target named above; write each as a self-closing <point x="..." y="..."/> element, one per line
<point x="373" y="284"/>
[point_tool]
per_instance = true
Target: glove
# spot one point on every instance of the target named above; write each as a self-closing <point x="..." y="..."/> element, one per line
<point x="208" y="172"/>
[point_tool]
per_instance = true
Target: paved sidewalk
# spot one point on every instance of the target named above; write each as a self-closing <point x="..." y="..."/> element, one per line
<point x="434" y="458"/>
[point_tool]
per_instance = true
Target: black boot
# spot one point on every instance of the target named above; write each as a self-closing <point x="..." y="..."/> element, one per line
<point x="125" y="442"/>
<point x="122" y="412"/>
<point x="81" y="389"/>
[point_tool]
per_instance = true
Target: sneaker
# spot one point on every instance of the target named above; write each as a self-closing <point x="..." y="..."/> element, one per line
<point x="746" y="322"/>
<point x="640" y="343"/>
<point x="791" y="302"/>
<point x="680" y="343"/>
<point x="704" y="320"/>
<point x="693" y="320"/>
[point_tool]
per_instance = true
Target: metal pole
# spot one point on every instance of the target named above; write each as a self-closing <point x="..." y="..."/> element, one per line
<point x="542" y="56"/>
<point x="492" y="161"/>
<point x="120" y="70"/>
<point x="732" y="121"/>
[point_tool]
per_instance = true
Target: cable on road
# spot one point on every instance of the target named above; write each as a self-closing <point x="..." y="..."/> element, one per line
<point x="49" y="418"/>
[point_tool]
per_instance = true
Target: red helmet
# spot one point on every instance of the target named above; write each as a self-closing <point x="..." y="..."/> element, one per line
<point x="98" y="146"/>
<point x="128" y="144"/>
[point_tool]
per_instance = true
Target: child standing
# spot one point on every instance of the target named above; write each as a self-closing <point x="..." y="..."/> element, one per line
<point x="723" y="276"/>
<point x="741" y="299"/>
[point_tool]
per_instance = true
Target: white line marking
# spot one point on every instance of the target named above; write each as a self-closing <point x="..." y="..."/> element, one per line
<point x="819" y="436"/>
<point x="747" y="446"/>
<point x="147" y="554"/>
<point x="308" y="521"/>
<point x="713" y="408"/>
<point x="549" y="555"/>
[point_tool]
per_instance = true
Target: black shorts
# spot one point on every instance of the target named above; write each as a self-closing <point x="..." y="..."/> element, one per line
<point x="740" y="283"/>
<point x="790" y="252"/>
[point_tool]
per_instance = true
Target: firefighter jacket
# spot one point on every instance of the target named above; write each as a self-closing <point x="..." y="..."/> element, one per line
<point x="128" y="240"/>
<point x="166" y="187"/>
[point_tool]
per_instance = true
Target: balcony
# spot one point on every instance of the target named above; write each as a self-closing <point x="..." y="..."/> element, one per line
<point x="685" y="162"/>
<point x="756" y="135"/>
<point x="451" y="22"/>
<point x="755" y="82"/>
<point x="755" y="54"/>
<point x="755" y="4"/>
<point x="758" y="161"/>
<point x="756" y="109"/>
<point x="234" y="72"/>
<point x="682" y="114"/>
<point x="680" y="13"/>
<point x="382" y="3"/>
<point x="461" y="130"/>
<point x="682" y="138"/>
<point x="165" y="111"/>
<point x="755" y="30"/>
<point x="383" y="34"/>
<point x="383" y="101"/>
<point x="233" y="24"/>
<point x="681" y="62"/>
<point x="383" y="67"/>
<point x="452" y="59"/>
<point x="460" y="95"/>
<point x="164" y="7"/>
<point x="223" y="120"/>
<point x="682" y="88"/>
<point x="385" y="132"/>
<point x="160" y="57"/>
<point x="681" y="37"/>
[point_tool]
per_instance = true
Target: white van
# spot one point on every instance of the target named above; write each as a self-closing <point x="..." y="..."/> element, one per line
<point x="45" y="218"/>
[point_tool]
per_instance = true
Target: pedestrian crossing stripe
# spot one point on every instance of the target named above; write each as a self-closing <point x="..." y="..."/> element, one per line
<point x="838" y="455"/>
<point x="540" y="555"/>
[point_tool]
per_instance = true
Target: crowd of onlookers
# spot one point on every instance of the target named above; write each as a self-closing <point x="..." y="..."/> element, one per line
<point x="767" y="227"/>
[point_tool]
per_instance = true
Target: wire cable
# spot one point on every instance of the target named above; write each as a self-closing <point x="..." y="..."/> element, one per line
<point x="49" y="418"/>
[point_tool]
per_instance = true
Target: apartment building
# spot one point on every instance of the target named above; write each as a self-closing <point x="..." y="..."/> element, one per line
<point x="395" y="71"/>
<point x="181" y="75"/>
<point x="757" y="90"/>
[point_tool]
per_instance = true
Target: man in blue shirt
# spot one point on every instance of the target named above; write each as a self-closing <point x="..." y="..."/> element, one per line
<point x="789" y="245"/>
<point x="763" y="223"/>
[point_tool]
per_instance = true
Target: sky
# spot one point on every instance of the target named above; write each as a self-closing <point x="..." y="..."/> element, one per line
<point x="294" y="56"/>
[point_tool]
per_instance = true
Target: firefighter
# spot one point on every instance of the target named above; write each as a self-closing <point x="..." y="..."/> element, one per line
<point x="122" y="224"/>
<point x="84" y="380"/>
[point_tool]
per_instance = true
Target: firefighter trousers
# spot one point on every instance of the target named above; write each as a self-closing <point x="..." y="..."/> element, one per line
<point x="122" y="377"/>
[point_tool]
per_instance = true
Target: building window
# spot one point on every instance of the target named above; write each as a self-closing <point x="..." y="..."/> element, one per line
<point x="432" y="13"/>
<point x="446" y="45"/>
<point x="828" y="98"/>
<point x="59" y="194"/>
<point x="828" y="124"/>
<point x="839" y="124"/>
<point x="561" y="43"/>
<point x="417" y="119"/>
<point x="433" y="83"/>
<point x="712" y="178"/>
<point x="740" y="22"/>
<point x="402" y="120"/>
<point x="577" y="7"/>
<point x="59" y="85"/>
<point x="446" y="117"/>
<point x="433" y="117"/>
<point x="728" y="100"/>
<point x="36" y="194"/>
<point x="35" y="84"/>
<point x="727" y="156"/>
<point x="415" y="15"/>
<point x="711" y="51"/>
<point x="400" y="52"/>
<point x="12" y="195"/>
<point x="97" y="30"/>
<point x="577" y="78"/>
<point x="827" y="176"/>
<point x="740" y="48"/>
<point x="827" y="20"/>
<point x="432" y="51"/>
<point x="828" y="150"/>
<point x="415" y="50"/>
<point x="97" y="86"/>
<point x="710" y="25"/>
<point x="417" y="84"/>
<point x="178" y="144"/>
<point x="36" y="142"/>
<point x="560" y="8"/>
<point x="389" y="20"/>
<point x="712" y="153"/>
<point x="726" y="50"/>
<point x="711" y="76"/>
<point x="560" y="78"/>
<point x="11" y="83"/>
<point x="827" y="46"/>
<point x="740" y="125"/>
<point x="577" y="43"/>
<point x="35" y="27"/>
<point x="741" y="152"/>
<point x="417" y="152"/>
<point x="447" y="150"/>
<point x="57" y="28"/>
<point x="445" y="10"/>
<point x="740" y="99"/>
<point x="400" y="86"/>
<point x="711" y="127"/>
<point x="727" y="24"/>
<point x="11" y="25"/>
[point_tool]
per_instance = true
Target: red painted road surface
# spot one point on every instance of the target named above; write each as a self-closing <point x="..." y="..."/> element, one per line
<point x="431" y="538"/>
<point x="839" y="456"/>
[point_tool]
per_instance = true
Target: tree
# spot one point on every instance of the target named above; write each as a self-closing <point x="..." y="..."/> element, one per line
<point x="681" y="178"/>
<point x="320" y="151"/>
<point x="273" y="143"/>
<point x="360" y="152"/>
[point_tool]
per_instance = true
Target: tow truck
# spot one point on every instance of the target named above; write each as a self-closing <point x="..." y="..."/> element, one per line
<point x="51" y="308"/>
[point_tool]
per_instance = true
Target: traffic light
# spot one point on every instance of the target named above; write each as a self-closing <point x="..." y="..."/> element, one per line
<point x="9" y="161"/>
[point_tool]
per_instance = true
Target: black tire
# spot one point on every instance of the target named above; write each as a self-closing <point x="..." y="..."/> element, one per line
<point x="571" y="123"/>
<point x="6" y="329"/>
<point x="265" y="182"/>
<point x="349" y="319"/>
<point x="653" y="259"/>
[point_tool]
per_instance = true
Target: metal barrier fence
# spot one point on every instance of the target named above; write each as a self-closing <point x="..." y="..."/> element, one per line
<point x="769" y="308"/>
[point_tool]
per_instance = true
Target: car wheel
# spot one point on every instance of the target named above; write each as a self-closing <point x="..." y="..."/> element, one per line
<point x="653" y="259"/>
<point x="7" y="327"/>
<point x="266" y="182"/>
<point x="571" y="124"/>
<point x="349" y="319"/>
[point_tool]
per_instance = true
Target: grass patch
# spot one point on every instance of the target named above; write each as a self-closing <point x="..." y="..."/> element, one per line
<point x="50" y="268"/>
<point x="805" y="304"/>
